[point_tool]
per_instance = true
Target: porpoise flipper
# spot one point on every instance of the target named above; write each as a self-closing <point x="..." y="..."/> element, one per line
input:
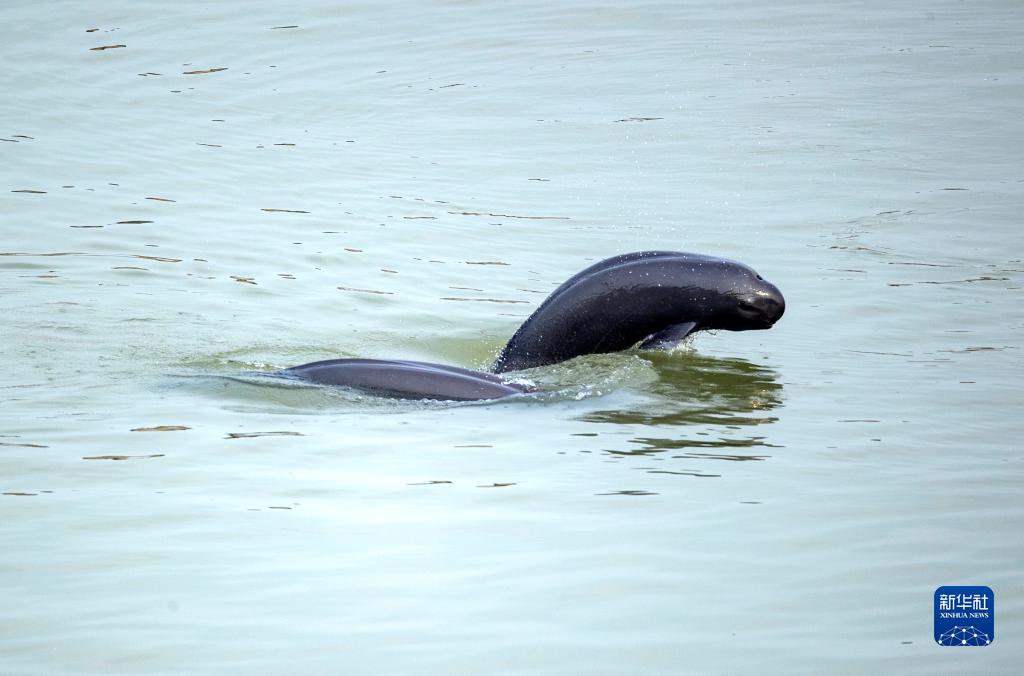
<point x="668" y="338"/>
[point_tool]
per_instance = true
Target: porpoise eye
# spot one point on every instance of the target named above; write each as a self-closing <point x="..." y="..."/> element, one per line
<point x="760" y="278"/>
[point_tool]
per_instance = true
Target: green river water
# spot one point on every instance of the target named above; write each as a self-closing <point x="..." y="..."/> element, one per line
<point x="240" y="186"/>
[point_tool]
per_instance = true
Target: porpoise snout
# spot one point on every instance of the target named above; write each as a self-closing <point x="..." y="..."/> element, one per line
<point x="770" y="303"/>
<point x="763" y="306"/>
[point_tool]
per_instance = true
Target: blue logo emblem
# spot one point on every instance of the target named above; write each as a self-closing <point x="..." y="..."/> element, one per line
<point x="964" y="616"/>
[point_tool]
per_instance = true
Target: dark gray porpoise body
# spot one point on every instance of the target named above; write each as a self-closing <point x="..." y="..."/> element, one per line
<point x="406" y="379"/>
<point x="654" y="298"/>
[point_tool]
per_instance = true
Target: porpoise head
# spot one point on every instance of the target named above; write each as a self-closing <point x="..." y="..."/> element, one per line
<point x="732" y="296"/>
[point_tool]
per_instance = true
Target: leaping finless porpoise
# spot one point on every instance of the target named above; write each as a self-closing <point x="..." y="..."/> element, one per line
<point x="649" y="299"/>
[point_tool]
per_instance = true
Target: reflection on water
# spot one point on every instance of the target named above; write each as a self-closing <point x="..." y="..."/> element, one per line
<point x="710" y="398"/>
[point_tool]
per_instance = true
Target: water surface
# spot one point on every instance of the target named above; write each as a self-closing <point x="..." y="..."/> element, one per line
<point x="195" y="192"/>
